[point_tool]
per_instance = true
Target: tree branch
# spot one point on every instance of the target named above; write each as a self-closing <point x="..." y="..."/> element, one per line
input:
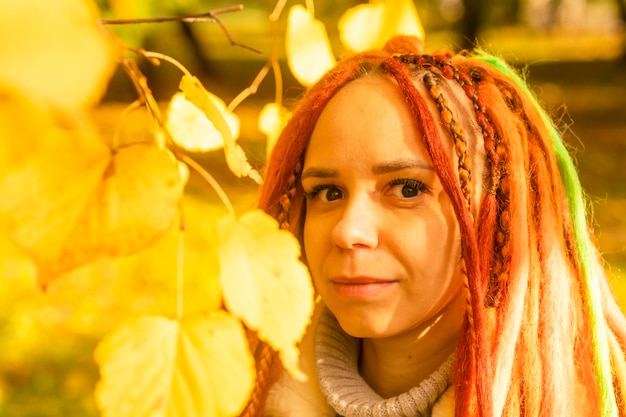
<point x="211" y="17"/>
<point x="187" y="18"/>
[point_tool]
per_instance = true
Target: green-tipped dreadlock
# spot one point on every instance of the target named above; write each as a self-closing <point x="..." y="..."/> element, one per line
<point x="584" y="247"/>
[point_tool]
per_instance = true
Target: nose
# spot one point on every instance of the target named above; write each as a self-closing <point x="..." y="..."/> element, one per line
<point x="357" y="226"/>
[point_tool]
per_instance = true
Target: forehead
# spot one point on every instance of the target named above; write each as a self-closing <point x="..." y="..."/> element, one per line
<point x="369" y="118"/>
<point x="364" y="98"/>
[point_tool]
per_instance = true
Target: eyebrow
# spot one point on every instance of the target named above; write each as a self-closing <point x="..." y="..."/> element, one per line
<point x="379" y="169"/>
<point x="400" y="164"/>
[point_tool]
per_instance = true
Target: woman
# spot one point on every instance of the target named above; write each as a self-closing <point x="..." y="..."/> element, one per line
<point x="443" y="224"/>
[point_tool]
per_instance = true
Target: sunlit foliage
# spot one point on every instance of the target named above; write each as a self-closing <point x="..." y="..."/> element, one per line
<point x="190" y="128"/>
<point x="154" y="366"/>
<point x="308" y="49"/>
<point x="78" y="206"/>
<point x="368" y="26"/>
<point x="262" y="279"/>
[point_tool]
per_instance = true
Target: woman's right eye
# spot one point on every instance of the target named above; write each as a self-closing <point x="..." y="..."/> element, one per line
<point x="325" y="193"/>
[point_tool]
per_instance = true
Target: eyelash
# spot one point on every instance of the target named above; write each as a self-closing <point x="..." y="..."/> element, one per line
<point x="412" y="183"/>
<point x="409" y="182"/>
<point x="314" y="193"/>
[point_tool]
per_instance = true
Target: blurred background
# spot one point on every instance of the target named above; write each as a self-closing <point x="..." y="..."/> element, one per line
<point x="573" y="53"/>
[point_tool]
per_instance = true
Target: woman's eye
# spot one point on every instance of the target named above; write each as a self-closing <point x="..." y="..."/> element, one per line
<point x="408" y="188"/>
<point x="326" y="193"/>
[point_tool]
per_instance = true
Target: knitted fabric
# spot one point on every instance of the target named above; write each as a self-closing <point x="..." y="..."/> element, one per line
<point x="336" y="355"/>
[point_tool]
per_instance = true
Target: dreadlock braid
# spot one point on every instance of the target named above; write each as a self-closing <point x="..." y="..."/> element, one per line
<point x="497" y="155"/>
<point x="460" y="144"/>
<point x="494" y="208"/>
<point x="502" y="251"/>
<point x="458" y="135"/>
<point x="500" y="154"/>
<point x="490" y="136"/>
<point x="286" y="199"/>
<point x="268" y="368"/>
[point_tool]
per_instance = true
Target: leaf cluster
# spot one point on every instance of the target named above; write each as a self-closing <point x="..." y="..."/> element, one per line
<point x="104" y="225"/>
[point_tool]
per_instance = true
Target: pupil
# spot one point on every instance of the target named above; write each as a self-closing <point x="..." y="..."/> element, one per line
<point x="408" y="191"/>
<point x="333" y="194"/>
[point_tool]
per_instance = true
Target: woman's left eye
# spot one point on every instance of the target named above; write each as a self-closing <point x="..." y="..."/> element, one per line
<point x="408" y="188"/>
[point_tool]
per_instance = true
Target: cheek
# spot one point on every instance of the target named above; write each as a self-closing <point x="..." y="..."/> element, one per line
<point x="433" y="253"/>
<point x="440" y="247"/>
<point x="449" y="258"/>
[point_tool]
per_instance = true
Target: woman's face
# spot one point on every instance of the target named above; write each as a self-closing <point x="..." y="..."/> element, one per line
<point x="380" y="235"/>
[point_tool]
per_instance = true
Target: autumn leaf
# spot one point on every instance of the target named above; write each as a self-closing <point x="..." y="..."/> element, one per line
<point x="14" y="264"/>
<point x="191" y="129"/>
<point x="55" y="51"/>
<point x="153" y="366"/>
<point x="264" y="283"/>
<point x="235" y="156"/>
<point x="308" y="49"/>
<point x="369" y="26"/>
<point x="20" y="118"/>
<point x="68" y="198"/>
<point x="272" y="120"/>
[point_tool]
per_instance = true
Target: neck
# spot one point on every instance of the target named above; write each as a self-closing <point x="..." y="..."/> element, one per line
<point x="396" y="364"/>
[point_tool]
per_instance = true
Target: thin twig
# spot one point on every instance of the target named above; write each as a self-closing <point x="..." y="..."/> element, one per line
<point x="145" y="97"/>
<point x="252" y="89"/>
<point x="140" y="82"/>
<point x="157" y="57"/>
<point x="180" y="155"/>
<point x="118" y="128"/>
<point x="232" y="40"/>
<point x="211" y="17"/>
<point x="208" y="178"/>
<point x="163" y="19"/>
<point x="278" y="75"/>
<point x="278" y="9"/>
<point x="272" y="64"/>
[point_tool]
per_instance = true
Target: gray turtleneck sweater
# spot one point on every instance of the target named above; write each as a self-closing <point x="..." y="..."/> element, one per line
<point x="335" y="388"/>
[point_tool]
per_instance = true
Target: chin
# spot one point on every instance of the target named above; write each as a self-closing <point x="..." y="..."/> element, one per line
<point x="361" y="327"/>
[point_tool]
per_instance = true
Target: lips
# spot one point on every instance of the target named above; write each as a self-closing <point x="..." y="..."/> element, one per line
<point x="360" y="287"/>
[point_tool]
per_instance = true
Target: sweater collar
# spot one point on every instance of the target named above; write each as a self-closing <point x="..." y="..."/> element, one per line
<point x="336" y="357"/>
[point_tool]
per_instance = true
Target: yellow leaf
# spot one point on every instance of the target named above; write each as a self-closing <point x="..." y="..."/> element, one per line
<point x="183" y="172"/>
<point x="272" y="120"/>
<point x="137" y="363"/>
<point x="235" y="156"/>
<point x="369" y="26"/>
<point x="401" y="19"/>
<point x="69" y="198"/>
<point x="191" y="129"/>
<point x="308" y="49"/>
<point x="14" y="265"/>
<point x="360" y="27"/>
<point x="136" y="200"/>
<point x="21" y="124"/>
<point x="55" y="51"/>
<point x="264" y="283"/>
<point x="154" y="366"/>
